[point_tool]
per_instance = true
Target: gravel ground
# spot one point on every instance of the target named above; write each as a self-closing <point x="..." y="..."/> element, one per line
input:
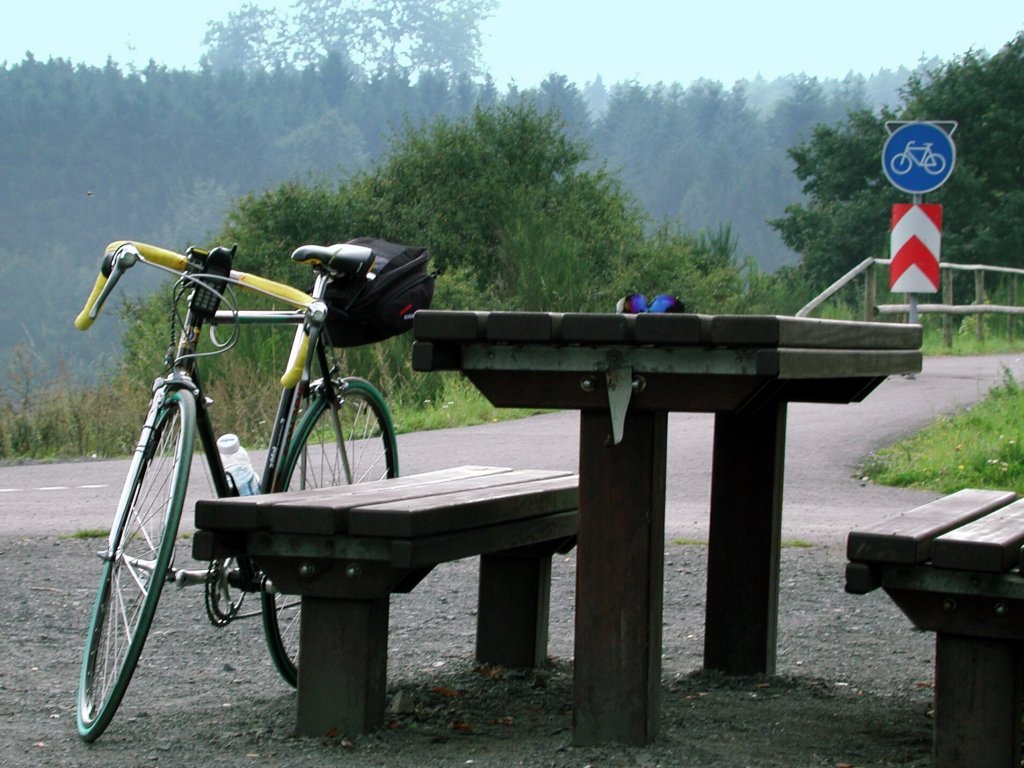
<point x="853" y="682"/>
<point x="852" y="688"/>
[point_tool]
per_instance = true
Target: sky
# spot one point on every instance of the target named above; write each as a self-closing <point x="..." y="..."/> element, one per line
<point x="646" y="41"/>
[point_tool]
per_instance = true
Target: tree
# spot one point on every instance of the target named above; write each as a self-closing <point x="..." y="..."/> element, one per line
<point x="557" y="94"/>
<point x="845" y="218"/>
<point x="381" y="37"/>
<point x="251" y="39"/>
<point x="471" y="188"/>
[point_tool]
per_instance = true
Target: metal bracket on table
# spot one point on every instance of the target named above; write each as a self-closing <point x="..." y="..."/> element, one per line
<point x="619" y="380"/>
<point x="620" y="384"/>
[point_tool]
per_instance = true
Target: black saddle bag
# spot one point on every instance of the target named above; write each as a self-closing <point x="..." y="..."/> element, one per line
<point x="397" y="287"/>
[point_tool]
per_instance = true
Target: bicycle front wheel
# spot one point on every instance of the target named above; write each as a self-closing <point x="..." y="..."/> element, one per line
<point x="136" y="562"/>
<point x="344" y="438"/>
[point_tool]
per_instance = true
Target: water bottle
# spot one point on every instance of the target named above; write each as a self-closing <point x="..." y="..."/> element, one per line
<point x="236" y="463"/>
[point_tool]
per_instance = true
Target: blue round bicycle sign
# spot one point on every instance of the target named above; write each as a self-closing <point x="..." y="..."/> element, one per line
<point x="918" y="157"/>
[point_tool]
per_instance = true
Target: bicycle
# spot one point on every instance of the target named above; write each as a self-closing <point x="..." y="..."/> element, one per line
<point x="330" y="429"/>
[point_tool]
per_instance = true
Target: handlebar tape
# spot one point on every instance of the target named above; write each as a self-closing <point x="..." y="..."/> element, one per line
<point x="84" y="321"/>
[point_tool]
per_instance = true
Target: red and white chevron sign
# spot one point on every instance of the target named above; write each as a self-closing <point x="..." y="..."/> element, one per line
<point x="915" y="240"/>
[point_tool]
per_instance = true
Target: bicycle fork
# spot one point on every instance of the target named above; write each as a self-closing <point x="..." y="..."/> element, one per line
<point x="126" y="504"/>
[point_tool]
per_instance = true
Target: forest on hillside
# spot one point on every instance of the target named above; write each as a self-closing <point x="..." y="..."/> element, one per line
<point x="94" y="154"/>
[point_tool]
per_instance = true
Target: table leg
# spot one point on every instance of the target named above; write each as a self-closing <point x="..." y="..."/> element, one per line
<point x="619" y="582"/>
<point x="745" y="531"/>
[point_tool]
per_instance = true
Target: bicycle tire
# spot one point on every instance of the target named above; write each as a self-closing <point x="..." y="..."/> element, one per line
<point x="140" y="552"/>
<point x="313" y="461"/>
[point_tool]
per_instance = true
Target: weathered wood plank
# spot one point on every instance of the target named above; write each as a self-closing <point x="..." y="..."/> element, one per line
<point x="440" y="325"/>
<point x="584" y="328"/>
<point x="836" y="363"/>
<point x="673" y="330"/>
<point x="778" y="331"/>
<point x="991" y="543"/>
<point x="436" y="356"/>
<point x="439" y="513"/>
<point x="907" y="539"/>
<point x="519" y="327"/>
<point x="862" y="578"/>
<point x="445" y="547"/>
<point x="450" y="474"/>
<point x="245" y="513"/>
<point x="332" y="513"/>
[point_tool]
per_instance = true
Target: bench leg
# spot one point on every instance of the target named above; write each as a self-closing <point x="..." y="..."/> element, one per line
<point x="343" y="649"/>
<point x="512" y="614"/>
<point x="978" y="702"/>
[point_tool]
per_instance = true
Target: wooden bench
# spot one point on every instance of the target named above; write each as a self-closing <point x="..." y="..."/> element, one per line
<point x="346" y="550"/>
<point x="954" y="567"/>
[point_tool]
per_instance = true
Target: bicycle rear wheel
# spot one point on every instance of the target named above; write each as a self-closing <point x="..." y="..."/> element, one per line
<point x="340" y="440"/>
<point x="136" y="561"/>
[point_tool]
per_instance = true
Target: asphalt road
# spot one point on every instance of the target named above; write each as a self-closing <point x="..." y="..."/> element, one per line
<point x="825" y="445"/>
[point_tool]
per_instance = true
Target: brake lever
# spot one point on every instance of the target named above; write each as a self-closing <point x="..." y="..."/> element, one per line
<point x="121" y="262"/>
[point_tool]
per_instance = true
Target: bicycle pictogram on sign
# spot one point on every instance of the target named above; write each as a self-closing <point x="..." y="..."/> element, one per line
<point x="922" y="157"/>
<point x="918" y="157"/>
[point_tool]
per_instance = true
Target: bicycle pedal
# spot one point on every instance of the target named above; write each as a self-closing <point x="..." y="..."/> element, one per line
<point x="184" y="578"/>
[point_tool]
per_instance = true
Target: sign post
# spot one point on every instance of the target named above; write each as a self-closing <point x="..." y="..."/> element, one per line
<point x="917" y="158"/>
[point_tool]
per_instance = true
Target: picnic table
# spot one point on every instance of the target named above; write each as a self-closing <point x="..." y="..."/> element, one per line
<point x="625" y="374"/>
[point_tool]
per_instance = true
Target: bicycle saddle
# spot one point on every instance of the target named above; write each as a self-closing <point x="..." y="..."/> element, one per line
<point x="341" y="260"/>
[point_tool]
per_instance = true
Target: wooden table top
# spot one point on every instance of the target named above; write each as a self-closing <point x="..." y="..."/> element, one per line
<point x="666" y="361"/>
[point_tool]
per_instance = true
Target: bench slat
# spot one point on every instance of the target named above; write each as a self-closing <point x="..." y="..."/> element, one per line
<point x="245" y="513"/>
<point x="445" y="547"/>
<point x="907" y="539"/>
<point x="991" y="543"/>
<point x="332" y="513"/>
<point x="466" y="509"/>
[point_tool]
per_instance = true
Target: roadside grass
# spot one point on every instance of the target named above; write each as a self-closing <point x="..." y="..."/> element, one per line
<point x="102" y="533"/>
<point x="966" y="342"/>
<point x="460" y="404"/>
<point x="980" y="447"/>
<point x="786" y="543"/>
<point x="88" y="533"/>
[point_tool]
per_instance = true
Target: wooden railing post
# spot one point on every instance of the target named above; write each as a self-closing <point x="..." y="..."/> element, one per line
<point x="979" y="299"/>
<point x="1010" y="318"/>
<point x="947" y="299"/>
<point x="870" y="292"/>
